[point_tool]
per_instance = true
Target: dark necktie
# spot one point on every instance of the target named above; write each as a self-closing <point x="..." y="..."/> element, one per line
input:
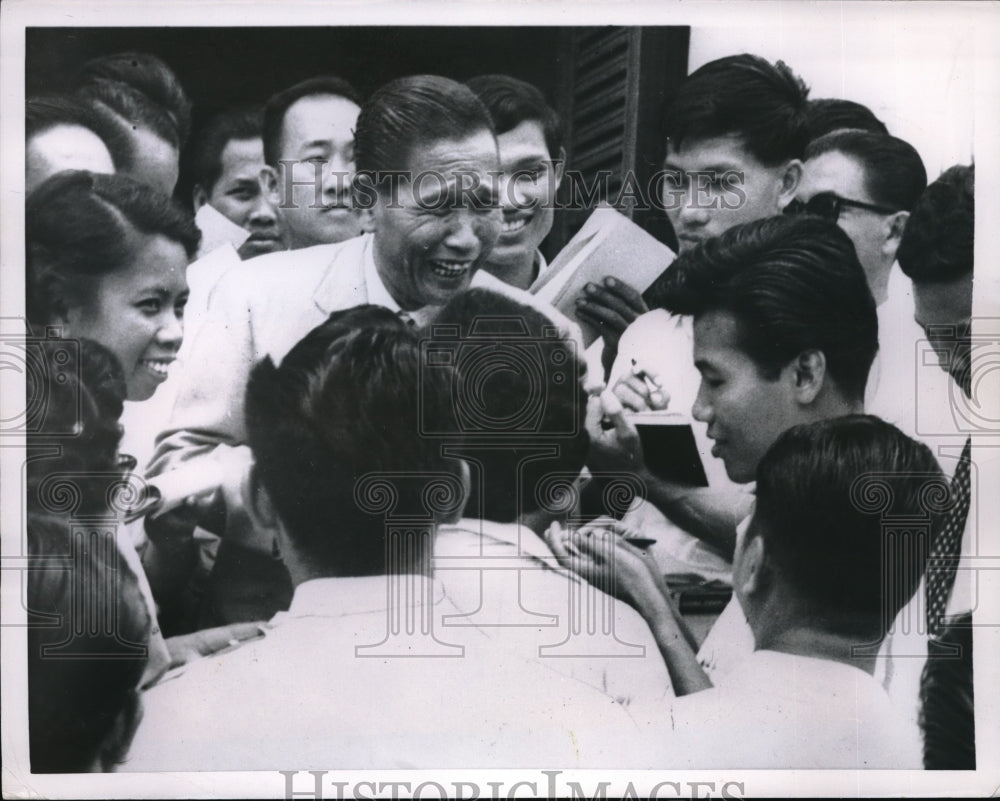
<point x="947" y="546"/>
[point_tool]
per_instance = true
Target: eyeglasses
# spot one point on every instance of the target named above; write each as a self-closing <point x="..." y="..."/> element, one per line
<point x="828" y="206"/>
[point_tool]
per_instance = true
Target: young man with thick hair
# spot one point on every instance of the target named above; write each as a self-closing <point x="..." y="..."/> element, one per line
<point x="736" y="132"/>
<point x="532" y="158"/>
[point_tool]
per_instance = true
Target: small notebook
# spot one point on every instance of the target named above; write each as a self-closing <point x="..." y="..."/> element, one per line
<point x="609" y="243"/>
<point x="669" y="447"/>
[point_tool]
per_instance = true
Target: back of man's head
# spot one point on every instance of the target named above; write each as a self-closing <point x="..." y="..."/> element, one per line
<point x="278" y="104"/>
<point x="793" y="284"/>
<point x="894" y="173"/>
<point x="939" y="243"/>
<point x="746" y="96"/>
<point x="829" y="114"/>
<point x="821" y="509"/>
<point x="417" y="109"/>
<point x="517" y="388"/>
<point x="511" y="101"/>
<point x="211" y="141"/>
<point x="343" y="405"/>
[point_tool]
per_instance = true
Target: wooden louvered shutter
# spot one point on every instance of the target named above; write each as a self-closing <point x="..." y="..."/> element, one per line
<point x="614" y="81"/>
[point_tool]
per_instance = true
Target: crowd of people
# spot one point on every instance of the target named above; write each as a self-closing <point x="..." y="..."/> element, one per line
<point x="335" y="481"/>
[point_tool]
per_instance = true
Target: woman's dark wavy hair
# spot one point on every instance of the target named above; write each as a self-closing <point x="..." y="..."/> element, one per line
<point x="148" y="75"/>
<point x="83" y="701"/>
<point x="75" y="394"/>
<point x="78" y="227"/>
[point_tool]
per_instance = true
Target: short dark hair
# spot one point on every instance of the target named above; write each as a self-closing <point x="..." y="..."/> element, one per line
<point x="793" y="284"/>
<point x="210" y="141"/>
<point x="894" y="174"/>
<point x="83" y="699"/>
<point x="828" y="114"/>
<point x="77" y="228"/>
<point x="152" y="77"/>
<point x="529" y="355"/>
<point x="511" y="101"/>
<point x="939" y="242"/>
<point x="278" y="104"/>
<point x="342" y="405"/>
<point x="50" y="111"/>
<point x="746" y="95"/>
<point x="417" y="108"/>
<point x="826" y="540"/>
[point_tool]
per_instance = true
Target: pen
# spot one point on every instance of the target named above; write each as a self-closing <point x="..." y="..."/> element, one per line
<point x="651" y="385"/>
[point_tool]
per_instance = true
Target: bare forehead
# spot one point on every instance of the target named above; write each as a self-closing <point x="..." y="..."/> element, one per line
<point x="525" y="140"/>
<point x="727" y="151"/>
<point x="835" y="172"/>
<point x="240" y="153"/>
<point x="477" y="152"/>
<point x="321" y="113"/>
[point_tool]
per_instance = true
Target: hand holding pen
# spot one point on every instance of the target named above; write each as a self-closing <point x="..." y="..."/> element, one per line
<point x="640" y="390"/>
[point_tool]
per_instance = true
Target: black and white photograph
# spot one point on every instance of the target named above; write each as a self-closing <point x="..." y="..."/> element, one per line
<point x="499" y="400"/>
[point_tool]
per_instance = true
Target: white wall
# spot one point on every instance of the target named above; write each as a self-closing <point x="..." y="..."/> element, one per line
<point x="918" y="79"/>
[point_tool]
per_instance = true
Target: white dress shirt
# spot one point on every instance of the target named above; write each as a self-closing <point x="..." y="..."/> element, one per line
<point x="783" y="711"/>
<point x="330" y="686"/>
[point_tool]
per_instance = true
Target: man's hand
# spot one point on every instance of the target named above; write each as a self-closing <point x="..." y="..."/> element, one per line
<point x="206" y="510"/>
<point x="614" y="448"/>
<point x="599" y="553"/>
<point x="610" y="307"/>
<point x="186" y="648"/>
<point x="641" y="390"/>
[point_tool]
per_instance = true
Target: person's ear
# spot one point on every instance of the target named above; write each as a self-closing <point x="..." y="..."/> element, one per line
<point x="895" y="227"/>
<point x="465" y="480"/>
<point x="559" y="165"/>
<point x="808" y="374"/>
<point x="750" y="576"/>
<point x="270" y="186"/>
<point x="260" y="508"/>
<point x="790" y="178"/>
<point x="199" y="197"/>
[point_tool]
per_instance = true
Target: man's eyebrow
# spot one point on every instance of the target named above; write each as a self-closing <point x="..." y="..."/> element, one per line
<point x="526" y="162"/>
<point x="716" y="168"/>
<point x="318" y="143"/>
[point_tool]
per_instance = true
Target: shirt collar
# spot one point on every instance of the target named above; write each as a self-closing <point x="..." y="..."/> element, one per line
<point x="354" y="595"/>
<point x="521" y="537"/>
<point x="377" y="293"/>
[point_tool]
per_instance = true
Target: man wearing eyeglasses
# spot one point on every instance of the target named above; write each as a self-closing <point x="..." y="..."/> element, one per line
<point x="868" y="183"/>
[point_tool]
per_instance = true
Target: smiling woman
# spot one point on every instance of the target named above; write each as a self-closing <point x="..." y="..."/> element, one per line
<point x="106" y="260"/>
